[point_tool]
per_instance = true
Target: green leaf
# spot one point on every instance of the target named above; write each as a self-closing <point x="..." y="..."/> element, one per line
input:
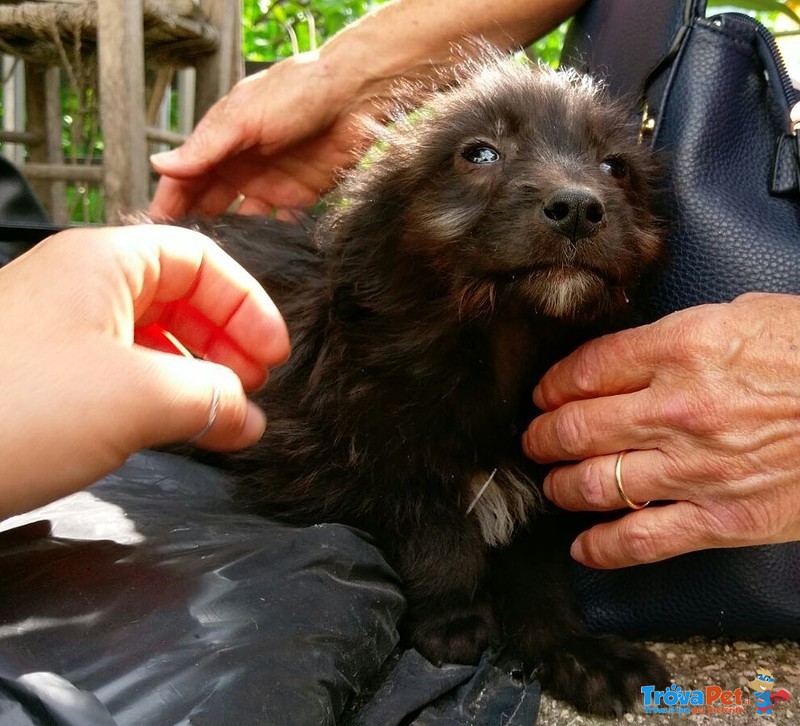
<point x="279" y="14"/>
<point x="275" y="15"/>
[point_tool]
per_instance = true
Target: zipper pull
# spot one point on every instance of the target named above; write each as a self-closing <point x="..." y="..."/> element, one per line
<point x="648" y="124"/>
<point x="786" y="163"/>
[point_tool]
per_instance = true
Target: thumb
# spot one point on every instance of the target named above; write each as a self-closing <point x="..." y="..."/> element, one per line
<point x="200" y="402"/>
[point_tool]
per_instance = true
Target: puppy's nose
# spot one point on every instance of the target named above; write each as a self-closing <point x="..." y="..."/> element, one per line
<point x="575" y="213"/>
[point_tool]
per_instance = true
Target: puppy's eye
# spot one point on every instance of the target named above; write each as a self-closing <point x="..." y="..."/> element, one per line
<point x="481" y="154"/>
<point x="615" y="166"/>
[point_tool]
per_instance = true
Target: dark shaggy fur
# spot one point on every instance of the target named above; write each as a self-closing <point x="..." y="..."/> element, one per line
<point x="482" y="238"/>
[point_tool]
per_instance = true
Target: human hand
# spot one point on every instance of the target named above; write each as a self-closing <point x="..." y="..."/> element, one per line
<point x="83" y="386"/>
<point x="705" y="402"/>
<point x="277" y="138"/>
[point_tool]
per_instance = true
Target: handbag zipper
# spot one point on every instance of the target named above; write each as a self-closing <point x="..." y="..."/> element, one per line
<point x="648" y="122"/>
<point x="783" y="153"/>
<point x="769" y="41"/>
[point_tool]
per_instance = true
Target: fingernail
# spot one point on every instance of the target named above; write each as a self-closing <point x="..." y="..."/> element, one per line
<point x="576" y="551"/>
<point x="537" y="398"/>
<point x="547" y="487"/>
<point x="164" y="157"/>
<point x="255" y="423"/>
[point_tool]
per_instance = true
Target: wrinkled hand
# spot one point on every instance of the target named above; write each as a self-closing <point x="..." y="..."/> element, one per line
<point x="706" y="403"/>
<point x="277" y="138"/>
<point x="84" y="384"/>
<point x="280" y="136"/>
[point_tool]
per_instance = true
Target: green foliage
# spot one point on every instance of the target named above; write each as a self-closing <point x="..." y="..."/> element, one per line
<point x="85" y="204"/>
<point x="81" y="142"/>
<point x="274" y="29"/>
<point x="765" y="10"/>
<point x="548" y="48"/>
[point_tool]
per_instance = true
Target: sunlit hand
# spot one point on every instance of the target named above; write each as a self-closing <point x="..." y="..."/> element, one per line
<point x="277" y="138"/>
<point x="84" y="383"/>
<point x="280" y="136"/>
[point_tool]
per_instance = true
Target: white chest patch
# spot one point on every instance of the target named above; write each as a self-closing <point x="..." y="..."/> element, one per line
<point x="501" y="500"/>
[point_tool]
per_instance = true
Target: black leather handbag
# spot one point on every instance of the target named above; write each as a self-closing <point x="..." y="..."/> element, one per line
<point x="713" y="97"/>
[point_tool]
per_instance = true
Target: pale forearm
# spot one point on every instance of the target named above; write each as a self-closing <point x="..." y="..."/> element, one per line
<point x="411" y="38"/>
<point x="278" y="138"/>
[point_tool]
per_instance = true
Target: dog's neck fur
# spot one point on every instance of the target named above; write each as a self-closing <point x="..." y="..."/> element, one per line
<point x="478" y="372"/>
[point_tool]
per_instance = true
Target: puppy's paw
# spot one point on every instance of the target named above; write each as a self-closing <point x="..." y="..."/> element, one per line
<point x="601" y="675"/>
<point x="458" y="636"/>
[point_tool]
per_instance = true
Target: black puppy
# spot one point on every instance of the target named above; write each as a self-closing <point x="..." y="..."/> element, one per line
<point x="483" y="237"/>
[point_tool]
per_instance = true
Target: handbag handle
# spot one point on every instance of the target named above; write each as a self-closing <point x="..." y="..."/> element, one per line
<point x="624" y="41"/>
<point x="694" y="9"/>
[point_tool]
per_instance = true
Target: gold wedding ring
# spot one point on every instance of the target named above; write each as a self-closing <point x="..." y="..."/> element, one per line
<point x="622" y="495"/>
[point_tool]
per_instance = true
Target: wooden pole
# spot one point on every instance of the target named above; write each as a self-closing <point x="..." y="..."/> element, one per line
<point x="43" y="98"/>
<point x="62" y="172"/>
<point x="120" y="39"/>
<point x="218" y="72"/>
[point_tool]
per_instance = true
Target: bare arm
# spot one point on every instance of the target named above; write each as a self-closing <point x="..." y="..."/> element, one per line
<point x="405" y="36"/>
<point x="280" y="135"/>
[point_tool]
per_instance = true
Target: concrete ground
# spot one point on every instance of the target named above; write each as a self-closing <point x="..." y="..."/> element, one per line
<point x="698" y="663"/>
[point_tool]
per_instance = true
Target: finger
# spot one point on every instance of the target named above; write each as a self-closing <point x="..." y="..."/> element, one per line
<point x="216" y="137"/>
<point x="619" y="363"/>
<point x="186" y="397"/>
<point x="212" y="341"/>
<point x="175" y="198"/>
<point x="217" y="198"/>
<point x="188" y="182"/>
<point x="199" y="293"/>
<point x="582" y="429"/>
<point x="156" y="338"/>
<point x="215" y="347"/>
<point x="648" y="535"/>
<point x="231" y="299"/>
<point x="591" y="485"/>
<point x="256" y="207"/>
<point x="281" y="181"/>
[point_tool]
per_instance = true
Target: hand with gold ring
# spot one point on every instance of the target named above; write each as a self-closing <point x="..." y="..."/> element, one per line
<point x="699" y="412"/>
<point x="91" y="321"/>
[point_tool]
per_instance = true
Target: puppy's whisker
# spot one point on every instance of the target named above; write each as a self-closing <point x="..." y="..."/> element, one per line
<point x="481" y="491"/>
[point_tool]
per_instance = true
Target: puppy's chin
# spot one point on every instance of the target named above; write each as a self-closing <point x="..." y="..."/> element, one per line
<point x="570" y="293"/>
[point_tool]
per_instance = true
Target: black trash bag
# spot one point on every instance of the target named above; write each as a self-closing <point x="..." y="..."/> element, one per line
<point x="417" y="693"/>
<point x="149" y="598"/>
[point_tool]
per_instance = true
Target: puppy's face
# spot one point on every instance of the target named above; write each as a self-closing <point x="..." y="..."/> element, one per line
<point x="524" y="187"/>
